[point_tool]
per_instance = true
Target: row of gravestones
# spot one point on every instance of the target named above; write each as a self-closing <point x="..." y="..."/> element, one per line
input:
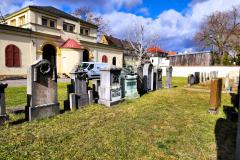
<point x="114" y="85"/>
<point x="201" y="77"/>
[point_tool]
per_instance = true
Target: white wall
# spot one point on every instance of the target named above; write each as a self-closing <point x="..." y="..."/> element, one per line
<point x="222" y="71"/>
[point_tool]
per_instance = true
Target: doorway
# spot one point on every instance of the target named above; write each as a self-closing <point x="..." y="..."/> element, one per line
<point x="49" y="53"/>
<point x="85" y="56"/>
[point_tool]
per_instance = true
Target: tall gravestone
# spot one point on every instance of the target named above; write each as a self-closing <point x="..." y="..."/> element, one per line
<point x="42" y="97"/>
<point x="215" y="95"/>
<point x="169" y="77"/>
<point x="129" y="83"/>
<point x="110" y="91"/>
<point x="140" y="78"/>
<point x="227" y="84"/>
<point x="79" y="96"/>
<point x="201" y="77"/>
<point x="191" y="80"/>
<point x="158" y="78"/>
<point x="148" y="77"/>
<point x="197" y="77"/>
<point x="3" y="114"/>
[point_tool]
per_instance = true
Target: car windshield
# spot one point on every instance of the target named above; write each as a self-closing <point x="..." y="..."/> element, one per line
<point x="85" y="65"/>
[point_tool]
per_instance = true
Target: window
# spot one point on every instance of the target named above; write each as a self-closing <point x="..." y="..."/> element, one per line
<point x="44" y="22"/>
<point x="84" y="31"/>
<point x="52" y="23"/>
<point x="64" y="26"/>
<point x="104" y="59"/>
<point x="91" y="66"/>
<point x="114" y="61"/>
<point x="13" y="22"/>
<point x="22" y="20"/>
<point x="68" y="27"/>
<point x="12" y="56"/>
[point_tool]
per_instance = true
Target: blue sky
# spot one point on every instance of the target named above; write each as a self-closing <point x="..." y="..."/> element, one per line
<point x="174" y="21"/>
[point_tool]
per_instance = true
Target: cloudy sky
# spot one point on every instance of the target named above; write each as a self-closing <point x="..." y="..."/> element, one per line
<point x="175" y="21"/>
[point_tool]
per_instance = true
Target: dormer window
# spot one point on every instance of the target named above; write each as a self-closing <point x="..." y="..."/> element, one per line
<point x="84" y="31"/>
<point x="48" y="22"/>
<point x="22" y="20"/>
<point x="13" y="22"/>
<point x="68" y="27"/>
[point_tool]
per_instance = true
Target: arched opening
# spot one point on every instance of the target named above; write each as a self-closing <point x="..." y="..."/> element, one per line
<point x="85" y="56"/>
<point x="12" y="56"/>
<point x="49" y="53"/>
<point x="114" y="61"/>
<point x="104" y="59"/>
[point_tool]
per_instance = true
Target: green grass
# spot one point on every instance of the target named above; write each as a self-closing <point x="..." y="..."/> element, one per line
<point x="165" y="124"/>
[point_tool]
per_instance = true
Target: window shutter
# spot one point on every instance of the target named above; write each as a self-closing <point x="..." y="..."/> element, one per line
<point x="104" y="59"/>
<point x="16" y="57"/>
<point x="9" y="56"/>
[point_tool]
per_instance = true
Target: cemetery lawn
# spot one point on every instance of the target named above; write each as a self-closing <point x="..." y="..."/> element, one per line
<point x="165" y="124"/>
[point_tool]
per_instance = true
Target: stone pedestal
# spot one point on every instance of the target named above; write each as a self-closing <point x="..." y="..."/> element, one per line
<point x="110" y="91"/>
<point x="79" y="97"/>
<point x="215" y="95"/>
<point x="3" y="114"/>
<point x="169" y="77"/>
<point x="41" y="91"/>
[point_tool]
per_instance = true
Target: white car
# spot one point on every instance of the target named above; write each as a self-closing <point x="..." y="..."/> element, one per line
<point x="93" y="69"/>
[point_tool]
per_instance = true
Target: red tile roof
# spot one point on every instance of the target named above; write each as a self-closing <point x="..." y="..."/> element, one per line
<point x="155" y="50"/>
<point x="172" y="53"/>
<point x="71" y="43"/>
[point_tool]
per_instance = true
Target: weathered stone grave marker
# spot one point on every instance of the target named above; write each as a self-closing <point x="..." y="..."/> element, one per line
<point x="197" y="77"/>
<point x="110" y="91"/>
<point x="215" y="95"/>
<point x="147" y="77"/>
<point x="191" y="80"/>
<point x="158" y="78"/>
<point x="3" y="114"/>
<point x="169" y="77"/>
<point x="140" y="80"/>
<point x="41" y="91"/>
<point x="129" y="83"/>
<point x="79" y="96"/>
<point x="227" y="84"/>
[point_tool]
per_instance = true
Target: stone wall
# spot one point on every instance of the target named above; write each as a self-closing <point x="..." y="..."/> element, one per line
<point x="195" y="59"/>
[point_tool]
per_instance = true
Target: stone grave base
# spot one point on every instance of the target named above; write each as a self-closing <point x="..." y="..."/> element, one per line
<point x="132" y="96"/>
<point x="78" y="100"/>
<point x="3" y="118"/>
<point x="41" y="112"/>
<point x="211" y="111"/>
<point x="109" y="103"/>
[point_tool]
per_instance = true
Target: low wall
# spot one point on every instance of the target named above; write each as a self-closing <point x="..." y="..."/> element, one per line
<point x="222" y="71"/>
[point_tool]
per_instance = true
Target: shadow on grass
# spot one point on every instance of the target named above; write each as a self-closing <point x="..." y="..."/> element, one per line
<point x="19" y="121"/>
<point x="225" y="134"/>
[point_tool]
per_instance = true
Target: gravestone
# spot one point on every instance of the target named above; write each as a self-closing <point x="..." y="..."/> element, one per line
<point x="41" y="91"/>
<point x="169" y="77"/>
<point x="147" y="77"/>
<point x="79" y="96"/>
<point x="204" y="77"/>
<point x="110" y="91"/>
<point x="191" y="80"/>
<point x="159" y="78"/>
<point x="201" y="77"/>
<point x="215" y="95"/>
<point x="197" y="77"/>
<point x="227" y="84"/>
<point x="129" y="83"/>
<point x="95" y="88"/>
<point x="3" y="114"/>
<point x="140" y="80"/>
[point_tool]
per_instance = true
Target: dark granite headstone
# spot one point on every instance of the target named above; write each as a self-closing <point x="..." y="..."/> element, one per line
<point x="79" y="96"/>
<point x="3" y="114"/>
<point x="42" y="91"/>
<point x="140" y="80"/>
<point x="158" y="78"/>
<point x="197" y="77"/>
<point x="215" y="95"/>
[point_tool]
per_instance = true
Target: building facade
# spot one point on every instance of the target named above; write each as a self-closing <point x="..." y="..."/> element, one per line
<point x="44" y="32"/>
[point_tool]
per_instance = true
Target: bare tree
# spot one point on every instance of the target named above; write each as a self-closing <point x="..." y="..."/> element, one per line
<point x="218" y="29"/>
<point x="86" y="14"/>
<point x="140" y="41"/>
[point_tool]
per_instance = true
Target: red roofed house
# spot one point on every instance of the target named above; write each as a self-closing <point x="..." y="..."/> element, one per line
<point x="158" y="56"/>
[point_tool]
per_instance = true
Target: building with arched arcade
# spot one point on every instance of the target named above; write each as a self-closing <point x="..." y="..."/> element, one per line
<point x="44" y="32"/>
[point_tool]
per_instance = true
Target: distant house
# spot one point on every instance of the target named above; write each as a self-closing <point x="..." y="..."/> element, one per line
<point x="158" y="56"/>
<point x="129" y="57"/>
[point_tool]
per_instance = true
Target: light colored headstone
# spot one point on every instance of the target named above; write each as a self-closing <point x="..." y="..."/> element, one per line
<point x="110" y="91"/>
<point x="227" y="83"/>
<point x="158" y="78"/>
<point x="201" y="77"/>
<point x="191" y="80"/>
<point x="169" y="77"/>
<point x="3" y="114"/>
<point x="42" y="91"/>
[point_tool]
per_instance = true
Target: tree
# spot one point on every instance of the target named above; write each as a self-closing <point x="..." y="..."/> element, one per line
<point x="137" y="37"/>
<point x="219" y="30"/>
<point x="86" y="14"/>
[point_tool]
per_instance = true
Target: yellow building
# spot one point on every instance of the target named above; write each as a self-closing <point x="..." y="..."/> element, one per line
<point x="44" y="32"/>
